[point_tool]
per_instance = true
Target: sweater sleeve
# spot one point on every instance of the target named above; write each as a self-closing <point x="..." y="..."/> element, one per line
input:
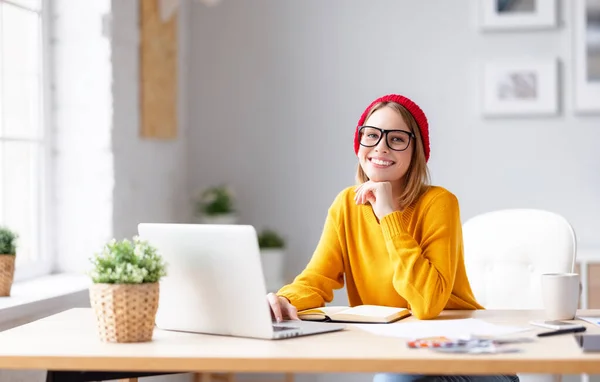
<point x="325" y="272"/>
<point x="424" y="273"/>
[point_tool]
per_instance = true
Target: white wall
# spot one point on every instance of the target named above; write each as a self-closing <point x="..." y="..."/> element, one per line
<point x="277" y="88"/>
<point x="81" y="113"/>
<point x="150" y="175"/>
<point x="108" y="178"/>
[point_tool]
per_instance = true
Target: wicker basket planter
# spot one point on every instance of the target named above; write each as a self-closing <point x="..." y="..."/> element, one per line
<point x="125" y="312"/>
<point x="7" y="272"/>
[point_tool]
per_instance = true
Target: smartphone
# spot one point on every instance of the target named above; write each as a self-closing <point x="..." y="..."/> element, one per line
<point x="556" y="325"/>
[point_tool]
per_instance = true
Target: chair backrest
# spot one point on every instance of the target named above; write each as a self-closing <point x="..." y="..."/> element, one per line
<point x="507" y="251"/>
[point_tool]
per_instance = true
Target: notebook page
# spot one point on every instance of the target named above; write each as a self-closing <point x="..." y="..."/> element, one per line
<point x="372" y="311"/>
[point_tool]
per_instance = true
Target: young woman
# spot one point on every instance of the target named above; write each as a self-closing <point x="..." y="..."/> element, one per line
<point x="393" y="239"/>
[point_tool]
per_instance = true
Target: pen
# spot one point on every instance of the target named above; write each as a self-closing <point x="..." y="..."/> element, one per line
<point x="562" y="331"/>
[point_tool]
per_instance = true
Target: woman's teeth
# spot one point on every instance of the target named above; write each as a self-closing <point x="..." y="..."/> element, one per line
<point x="381" y="162"/>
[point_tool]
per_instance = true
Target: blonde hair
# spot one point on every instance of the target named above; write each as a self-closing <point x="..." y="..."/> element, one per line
<point x="417" y="177"/>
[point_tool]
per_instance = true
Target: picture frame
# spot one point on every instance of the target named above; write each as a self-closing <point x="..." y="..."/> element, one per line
<point x="504" y="15"/>
<point x="586" y="45"/>
<point x="527" y="87"/>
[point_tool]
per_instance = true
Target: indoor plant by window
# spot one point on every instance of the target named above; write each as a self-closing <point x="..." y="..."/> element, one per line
<point x="125" y="290"/>
<point x="7" y="260"/>
<point x="272" y="252"/>
<point x="215" y="205"/>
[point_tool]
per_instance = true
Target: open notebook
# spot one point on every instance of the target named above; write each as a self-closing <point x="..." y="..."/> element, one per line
<point x="362" y="313"/>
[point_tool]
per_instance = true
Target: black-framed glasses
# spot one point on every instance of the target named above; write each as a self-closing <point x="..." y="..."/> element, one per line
<point x="397" y="140"/>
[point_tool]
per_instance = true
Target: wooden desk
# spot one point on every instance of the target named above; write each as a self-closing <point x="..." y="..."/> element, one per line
<point x="68" y="341"/>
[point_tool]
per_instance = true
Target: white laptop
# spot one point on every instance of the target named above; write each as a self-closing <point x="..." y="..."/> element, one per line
<point x="215" y="283"/>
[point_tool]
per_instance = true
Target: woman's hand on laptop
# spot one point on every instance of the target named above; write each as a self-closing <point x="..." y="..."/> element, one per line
<point x="281" y="308"/>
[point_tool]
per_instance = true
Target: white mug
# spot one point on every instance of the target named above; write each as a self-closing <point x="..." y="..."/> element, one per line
<point x="560" y="292"/>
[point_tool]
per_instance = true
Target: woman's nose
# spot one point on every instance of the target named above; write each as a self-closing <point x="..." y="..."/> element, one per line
<point x="382" y="145"/>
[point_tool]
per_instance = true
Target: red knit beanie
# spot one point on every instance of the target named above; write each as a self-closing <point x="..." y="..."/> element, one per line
<point x="413" y="109"/>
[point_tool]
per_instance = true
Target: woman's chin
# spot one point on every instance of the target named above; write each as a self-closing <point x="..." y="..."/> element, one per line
<point x="378" y="178"/>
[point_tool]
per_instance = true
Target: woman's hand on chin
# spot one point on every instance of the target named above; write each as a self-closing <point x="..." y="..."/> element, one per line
<point x="379" y="195"/>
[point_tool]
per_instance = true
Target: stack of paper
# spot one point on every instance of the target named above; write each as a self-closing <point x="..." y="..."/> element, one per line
<point x="593" y="320"/>
<point x="459" y="328"/>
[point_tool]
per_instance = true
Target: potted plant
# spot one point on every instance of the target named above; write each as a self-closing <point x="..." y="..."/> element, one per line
<point x="272" y="252"/>
<point x="215" y="205"/>
<point x="8" y="253"/>
<point x="125" y="290"/>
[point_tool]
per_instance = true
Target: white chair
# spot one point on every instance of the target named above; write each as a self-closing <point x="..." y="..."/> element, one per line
<point x="506" y="252"/>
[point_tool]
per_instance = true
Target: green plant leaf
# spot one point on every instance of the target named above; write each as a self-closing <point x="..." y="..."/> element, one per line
<point x="270" y="239"/>
<point x="215" y="200"/>
<point x="127" y="262"/>
<point x="8" y="240"/>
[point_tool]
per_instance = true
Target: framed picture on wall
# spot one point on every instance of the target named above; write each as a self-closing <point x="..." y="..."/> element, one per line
<point x="520" y="88"/>
<point x="586" y="46"/>
<point x="517" y="14"/>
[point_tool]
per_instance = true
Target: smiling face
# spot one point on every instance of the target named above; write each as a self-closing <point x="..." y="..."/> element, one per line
<point x="380" y="163"/>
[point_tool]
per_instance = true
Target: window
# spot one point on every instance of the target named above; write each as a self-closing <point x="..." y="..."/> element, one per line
<point x="24" y="142"/>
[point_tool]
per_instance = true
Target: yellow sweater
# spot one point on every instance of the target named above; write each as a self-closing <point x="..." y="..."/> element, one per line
<point x="412" y="258"/>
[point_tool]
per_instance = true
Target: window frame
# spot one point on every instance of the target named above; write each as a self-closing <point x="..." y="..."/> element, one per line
<point x="46" y="222"/>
